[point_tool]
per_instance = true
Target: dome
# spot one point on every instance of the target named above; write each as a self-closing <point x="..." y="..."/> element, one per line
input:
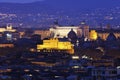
<point x="111" y="37"/>
<point x="72" y="34"/>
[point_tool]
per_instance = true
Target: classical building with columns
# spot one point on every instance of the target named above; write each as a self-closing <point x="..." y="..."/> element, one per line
<point x="62" y="31"/>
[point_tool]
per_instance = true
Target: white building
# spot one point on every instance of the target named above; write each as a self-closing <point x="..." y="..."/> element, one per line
<point x="62" y="31"/>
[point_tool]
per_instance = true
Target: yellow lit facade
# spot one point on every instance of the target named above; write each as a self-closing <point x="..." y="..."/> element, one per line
<point x="8" y="28"/>
<point x="55" y="45"/>
<point x="6" y="45"/>
<point x="45" y="64"/>
<point x="93" y="35"/>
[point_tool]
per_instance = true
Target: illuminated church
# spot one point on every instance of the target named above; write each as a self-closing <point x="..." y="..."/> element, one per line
<point x="8" y="28"/>
<point x="8" y="33"/>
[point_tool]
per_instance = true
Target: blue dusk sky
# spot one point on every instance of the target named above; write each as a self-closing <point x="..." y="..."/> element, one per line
<point x="20" y="1"/>
<point x="73" y="3"/>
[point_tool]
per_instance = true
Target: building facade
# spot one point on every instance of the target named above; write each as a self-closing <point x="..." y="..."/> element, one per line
<point x="8" y="28"/>
<point x="103" y="34"/>
<point x="54" y="45"/>
<point x="43" y="33"/>
<point x="62" y="31"/>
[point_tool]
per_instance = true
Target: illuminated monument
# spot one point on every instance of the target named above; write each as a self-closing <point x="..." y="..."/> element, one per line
<point x="93" y="35"/>
<point x="58" y="31"/>
<point x="55" y="45"/>
<point x="9" y="28"/>
<point x="85" y="30"/>
<point x="62" y="31"/>
<point x="8" y="33"/>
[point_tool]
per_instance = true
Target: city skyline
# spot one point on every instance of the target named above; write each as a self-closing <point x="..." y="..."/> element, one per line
<point x="59" y="40"/>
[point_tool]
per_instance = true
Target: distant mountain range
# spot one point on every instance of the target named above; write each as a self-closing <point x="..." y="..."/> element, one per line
<point x="65" y="5"/>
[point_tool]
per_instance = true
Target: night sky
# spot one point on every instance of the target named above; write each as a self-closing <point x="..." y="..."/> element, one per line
<point x="74" y="3"/>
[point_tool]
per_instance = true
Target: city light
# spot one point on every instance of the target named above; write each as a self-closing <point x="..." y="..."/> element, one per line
<point x="60" y="40"/>
<point x="75" y="57"/>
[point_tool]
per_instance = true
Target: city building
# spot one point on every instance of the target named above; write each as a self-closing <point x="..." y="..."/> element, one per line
<point x="103" y="34"/>
<point x="43" y="33"/>
<point x="55" y="45"/>
<point x="85" y="30"/>
<point x="93" y="35"/>
<point x="62" y="31"/>
<point x="8" y="28"/>
<point x="72" y="37"/>
<point x="8" y="33"/>
<point x="118" y="72"/>
<point x="104" y="73"/>
<point x="6" y="45"/>
<point x="102" y="63"/>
